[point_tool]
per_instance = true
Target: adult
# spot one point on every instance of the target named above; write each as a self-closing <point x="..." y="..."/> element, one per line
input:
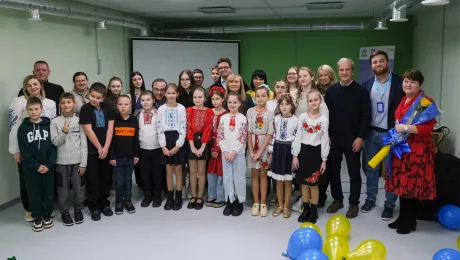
<point x="224" y="65"/>
<point x="292" y="78"/>
<point x="159" y="91"/>
<point x="114" y="90"/>
<point x="186" y="86"/>
<point x="53" y="91"/>
<point x="80" y="91"/>
<point x="385" y="90"/>
<point x="215" y="73"/>
<point x="198" y="75"/>
<point x="349" y="115"/>
<point x="136" y="86"/>
<point x="412" y="178"/>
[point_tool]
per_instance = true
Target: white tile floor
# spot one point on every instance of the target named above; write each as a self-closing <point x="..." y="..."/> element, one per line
<point x="190" y="234"/>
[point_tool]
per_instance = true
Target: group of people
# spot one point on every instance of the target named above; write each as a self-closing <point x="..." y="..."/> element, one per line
<point x="178" y="138"/>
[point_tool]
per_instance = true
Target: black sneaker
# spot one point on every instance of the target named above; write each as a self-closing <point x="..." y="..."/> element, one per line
<point x="37" y="225"/>
<point x="156" y="201"/>
<point x="48" y="222"/>
<point x="129" y="207"/>
<point x="387" y="214"/>
<point x="106" y="211"/>
<point x="66" y="219"/>
<point x="78" y="216"/>
<point x="119" y="208"/>
<point x="237" y="208"/>
<point x="368" y="206"/>
<point x="146" y="200"/>
<point x="228" y="209"/>
<point x="95" y="215"/>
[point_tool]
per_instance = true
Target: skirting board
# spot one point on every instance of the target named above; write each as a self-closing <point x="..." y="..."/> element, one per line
<point x="9" y="204"/>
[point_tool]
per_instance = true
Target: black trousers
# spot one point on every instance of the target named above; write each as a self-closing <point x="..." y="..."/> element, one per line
<point x="339" y="147"/>
<point x="98" y="182"/>
<point x="23" y="189"/>
<point x="137" y="174"/>
<point x="323" y="188"/>
<point x="152" y="176"/>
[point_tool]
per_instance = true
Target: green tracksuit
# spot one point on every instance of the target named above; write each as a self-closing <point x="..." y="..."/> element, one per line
<point x="36" y="149"/>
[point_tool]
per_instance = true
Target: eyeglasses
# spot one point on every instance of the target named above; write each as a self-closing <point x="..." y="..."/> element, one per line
<point x="159" y="90"/>
<point x="199" y="77"/>
<point x="224" y="68"/>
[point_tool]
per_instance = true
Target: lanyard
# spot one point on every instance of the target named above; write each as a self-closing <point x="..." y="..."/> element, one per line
<point x="378" y="88"/>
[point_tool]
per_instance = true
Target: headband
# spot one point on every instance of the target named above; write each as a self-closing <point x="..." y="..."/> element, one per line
<point x="217" y="88"/>
<point x="265" y="86"/>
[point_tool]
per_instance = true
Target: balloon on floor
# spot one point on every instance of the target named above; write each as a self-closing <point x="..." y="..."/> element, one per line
<point x="458" y="242"/>
<point x="370" y="250"/>
<point x="336" y="247"/>
<point x="301" y="240"/>
<point x="338" y="225"/>
<point x="311" y="225"/>
<point x="312" y="254"/>
<point x="449" y="217"/>
<point x="447" y="254"/>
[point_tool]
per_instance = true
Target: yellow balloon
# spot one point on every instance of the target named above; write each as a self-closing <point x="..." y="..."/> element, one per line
<point x="368" y="250"/>
<point x="458" y="242"/>
<point x="338" y="225"/>
<point x="313" y="226"/>
<point x="336" y="248"/>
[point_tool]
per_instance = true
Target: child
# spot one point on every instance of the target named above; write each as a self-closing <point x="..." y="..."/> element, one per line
<point x="292" y="79"/>
<point x="311" y="148"/>
<point x="187" y="86"/>
<point x="38" y="159"/>
<point x="232" y="136"/>
<point x="172" y="128"/>
<point x="216" y="193"/>
<point x="259" y="77"/>
<point x="260" y="129"/>
<point x="113" y="92"/>
<point x="281" y="149"/>
<point x="97" y="121"/>
<point x="307" y="84"/>
<point x="199" y="126"/>
<point x="280" y="89"/>
<point x="235" y="84"/>
<point x="72" y="154"/>
<point x="150" y="152"/>
<point x="124" y="154"/>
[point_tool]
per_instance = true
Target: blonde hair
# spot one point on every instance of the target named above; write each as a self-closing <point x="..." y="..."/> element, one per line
<point x="233" y="77"/>
<point x="24" y="87"/>
<point x="330" y="73"/>
<point x="313" y="84"/>
<point x="296" y="71"/>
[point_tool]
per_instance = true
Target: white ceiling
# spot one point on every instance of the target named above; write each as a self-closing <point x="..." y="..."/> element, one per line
<point x="245" y="9"/>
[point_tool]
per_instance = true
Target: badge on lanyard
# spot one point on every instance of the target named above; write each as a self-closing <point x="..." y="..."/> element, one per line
<point x="380" y="107"/>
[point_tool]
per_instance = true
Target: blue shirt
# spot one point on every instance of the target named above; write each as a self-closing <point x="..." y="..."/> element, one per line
<point x="380" y="92"/>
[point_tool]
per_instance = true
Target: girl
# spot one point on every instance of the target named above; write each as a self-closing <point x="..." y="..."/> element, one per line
<point x="311" y="148"/>
<point x="260" y="129"/>
<point x="137" y="85"/>
<point x="258" y="78"/>
<point x="31" y="87"/>
<point x="281" y="149"/>
<point x="280" y="89"/>
<point x="326" y="77"/>
<point x="187" y="86"/>
<point x="80" y="91"/>
<point x="216" y="196"/>
<point x="199" y="126"/>
<point x="150" y="151"/>
<point x="235" y="84"/>
<point x="307" y="83"/>
<point x="172" y="128"/>
<point x="232" y="136"/>
<point x="292" y="78"/>
<point x="215" y="73"/>
<point x="113" y="92"/>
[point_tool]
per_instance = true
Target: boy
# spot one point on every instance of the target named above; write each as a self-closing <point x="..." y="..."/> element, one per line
<point x="72" y="154"/>
<point x="38" y="159"/>
<point x="124" y="154"/>
<point x="97" y="121"/>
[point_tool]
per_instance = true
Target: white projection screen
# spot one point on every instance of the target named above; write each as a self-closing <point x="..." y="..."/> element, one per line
<point x="167" y="57"/>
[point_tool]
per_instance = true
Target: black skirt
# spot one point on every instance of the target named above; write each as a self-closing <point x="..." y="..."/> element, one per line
<point x="281" y="164"/>
<point x="179" y="157"/>
<point x="309" y="165"/>
<point x="197" y="142"/>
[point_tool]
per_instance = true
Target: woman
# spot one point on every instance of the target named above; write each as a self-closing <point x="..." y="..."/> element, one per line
<point x="292" y="78"/>
<point x="326" y="77"/>
<point x="186" y="85"/>
<point x="258" y="78"/>
<point x="114" y="90"/>
<point x="80" y="90"/>
<point x="413" y="176"/>
<point x="136" y="86"/>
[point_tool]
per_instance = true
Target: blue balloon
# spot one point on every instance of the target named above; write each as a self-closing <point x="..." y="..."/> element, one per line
<point x="313" y="254"/>
<point x="303" y="239"/>
<point x="447" y="254"/>
<point x="449" y="217"/>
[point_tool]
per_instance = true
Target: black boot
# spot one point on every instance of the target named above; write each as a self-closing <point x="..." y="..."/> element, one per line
<point x="178" y="200"/>
<point x="169" y="201"/>
<point x="305" y="213"/>
<point x="156" y="200"/>
<point x="313" y="215"/>
<point x="409" y="221"/>
<point x="402" y="212"/>
<point x="147" y="199"/>
<point x="228" y="209"/>
<point x="237" y="208"/>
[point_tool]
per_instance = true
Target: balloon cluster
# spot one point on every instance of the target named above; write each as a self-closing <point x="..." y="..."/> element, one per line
<point x="306" y="243"/>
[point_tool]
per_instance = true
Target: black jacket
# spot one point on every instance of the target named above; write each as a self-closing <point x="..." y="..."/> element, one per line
<point x="52" y="91"/>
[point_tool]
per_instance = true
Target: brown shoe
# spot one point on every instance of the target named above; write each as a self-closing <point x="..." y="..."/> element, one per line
<point x="353" y="210"/>
<point x="335" y="206"/>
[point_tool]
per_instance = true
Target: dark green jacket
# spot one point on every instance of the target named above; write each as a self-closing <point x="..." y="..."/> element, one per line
<point x="35" y="144"/>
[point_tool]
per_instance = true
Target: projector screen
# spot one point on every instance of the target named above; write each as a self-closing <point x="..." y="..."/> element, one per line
<point x="167" y="57"/>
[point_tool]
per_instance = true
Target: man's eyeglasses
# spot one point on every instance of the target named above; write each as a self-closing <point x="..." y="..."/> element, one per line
<point x="224" y="68"/>
<point x="159" y="90"/>
<point x="199" y="77"/>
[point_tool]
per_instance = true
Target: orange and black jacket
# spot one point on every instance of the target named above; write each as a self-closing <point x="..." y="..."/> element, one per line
<point x="125" y="141"/>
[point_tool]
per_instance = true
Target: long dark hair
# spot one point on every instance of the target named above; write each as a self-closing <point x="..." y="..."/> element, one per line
<point x="192" y="82"/>
<point x="258" y="74"/>
<point x="131" y="88"/>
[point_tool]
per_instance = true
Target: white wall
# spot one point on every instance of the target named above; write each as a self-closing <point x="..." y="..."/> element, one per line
<point x="68" y="46"/>
<point x="437" y="55"/>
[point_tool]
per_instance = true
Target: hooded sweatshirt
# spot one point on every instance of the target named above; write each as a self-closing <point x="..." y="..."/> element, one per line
<point x="35" y="144"/>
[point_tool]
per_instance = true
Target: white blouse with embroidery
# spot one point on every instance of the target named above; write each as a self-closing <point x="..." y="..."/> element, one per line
<point x="171" y="119"/>
<point x="302" y="106"/>
<point x="314" y="132"/>
<point x="232" y="133"/>
<point x="260" y="123"/>
<point x="285" y="130"/>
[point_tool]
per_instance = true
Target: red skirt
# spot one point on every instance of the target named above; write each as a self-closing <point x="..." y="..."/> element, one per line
<point x="215" y="165"/>
<point x="413" y="175"/>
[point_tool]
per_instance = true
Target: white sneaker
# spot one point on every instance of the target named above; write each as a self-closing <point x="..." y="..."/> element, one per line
<point x="263" y="210"/>
<point x="255" y="209"/>
<point x="28" y="217"/>
<point x="37" y="226"/>
<point x="298" y="206"/>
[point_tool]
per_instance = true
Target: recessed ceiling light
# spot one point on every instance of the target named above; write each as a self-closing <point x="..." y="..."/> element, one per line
<point x="435" y="2"/>
<point x="35" y="15"/>
<point x="217" y="10"/>
<point x="101" y="25"/>
<point x="381" y="26"/>
<point x="325" y="5"/>
<point x="399" y="15"/>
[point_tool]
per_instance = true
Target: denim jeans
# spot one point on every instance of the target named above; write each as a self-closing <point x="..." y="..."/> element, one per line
<point x="124" y="179"/>
<point x="216" y="187"/>
<point x="372" y="146"/>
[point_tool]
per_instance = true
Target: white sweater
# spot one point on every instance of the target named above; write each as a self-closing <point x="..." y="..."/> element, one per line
<point x="72" y="148"/>
<point x="18" y="112"/>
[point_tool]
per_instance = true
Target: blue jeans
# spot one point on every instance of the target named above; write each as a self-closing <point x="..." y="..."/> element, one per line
<point x="372" y="146"/>
<point x="216" y="187"/>
<point x="124" y="179"/>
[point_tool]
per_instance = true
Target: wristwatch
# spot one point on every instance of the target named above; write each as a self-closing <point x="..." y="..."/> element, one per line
<point x="405" y="128"/>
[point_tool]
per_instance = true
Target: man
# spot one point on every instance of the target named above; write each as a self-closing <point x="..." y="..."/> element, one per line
<point x="159" y="91"/>
<point x="349" y="115"/>
<point x="386" y="92"/>
<point x="52" y="91"/>
<point x="198" y="75"/>
<point x="224" y="65"/>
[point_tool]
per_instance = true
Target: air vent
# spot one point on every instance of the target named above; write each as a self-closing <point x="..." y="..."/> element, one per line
<point x="325" y="5"/>
<point x="217" y="10"/>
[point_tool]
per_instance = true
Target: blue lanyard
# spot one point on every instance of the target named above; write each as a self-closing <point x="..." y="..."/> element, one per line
<point x="386" y="84"/>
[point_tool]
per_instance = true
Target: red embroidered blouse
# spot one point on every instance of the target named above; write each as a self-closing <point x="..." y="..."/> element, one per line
<point x="199" y="121"/>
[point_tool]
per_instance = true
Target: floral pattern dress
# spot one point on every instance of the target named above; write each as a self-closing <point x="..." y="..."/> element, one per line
<point x="260" y="126"/>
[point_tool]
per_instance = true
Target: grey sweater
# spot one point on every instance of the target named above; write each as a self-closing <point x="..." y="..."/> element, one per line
<point x="71" y="147"/>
